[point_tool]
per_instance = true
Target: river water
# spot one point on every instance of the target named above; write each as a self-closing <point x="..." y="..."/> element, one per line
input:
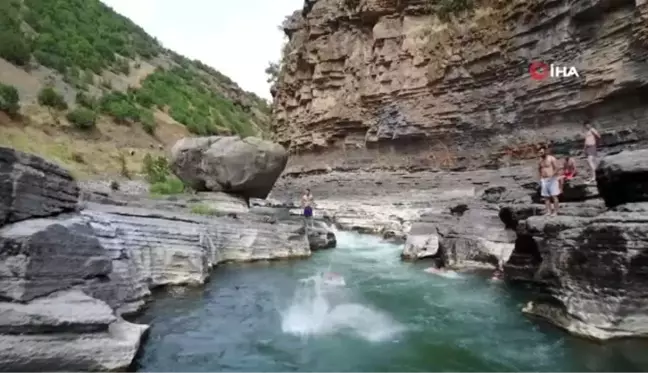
<point x="390" y="316"/>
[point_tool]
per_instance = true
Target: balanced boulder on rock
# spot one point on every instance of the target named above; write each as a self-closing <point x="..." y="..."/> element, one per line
<point x="248" y="167"/>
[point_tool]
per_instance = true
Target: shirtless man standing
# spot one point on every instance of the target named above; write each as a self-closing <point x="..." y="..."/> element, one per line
<point x="591" y="135"/>
<point x="549" y="181"/>
<point x="307" y="204"/>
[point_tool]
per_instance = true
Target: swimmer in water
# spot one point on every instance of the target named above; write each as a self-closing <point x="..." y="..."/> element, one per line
<point x="497" y="275"/>
<point x="333" y="278"/>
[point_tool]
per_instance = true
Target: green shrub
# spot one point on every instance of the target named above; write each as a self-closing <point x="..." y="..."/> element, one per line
<point x="202" y="209"/>
<point x="9" y="99"/>
<point x="14" y="47"/>
<point x="49" y="97"/>
<point x="83" y="118"/>
<point x="123" y="66"/>
<point x="156" y="169"/>
<point x="114" y="185"/>
<point x="148" y="121"/>
<point x="118" y="105"/>
<point x="171" y="185"/>
<point x="87" y="101"/>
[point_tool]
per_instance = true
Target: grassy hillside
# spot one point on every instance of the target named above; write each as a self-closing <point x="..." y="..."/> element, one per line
<point x="85" y="76"/>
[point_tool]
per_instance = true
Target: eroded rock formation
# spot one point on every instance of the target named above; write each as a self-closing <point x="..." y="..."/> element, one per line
<point x="588" y="263"/>
<point x="387" y="82"/>
<point x="70" y="270"/>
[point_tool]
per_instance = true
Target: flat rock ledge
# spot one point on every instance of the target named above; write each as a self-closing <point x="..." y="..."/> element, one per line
<point x="70" y="270"/>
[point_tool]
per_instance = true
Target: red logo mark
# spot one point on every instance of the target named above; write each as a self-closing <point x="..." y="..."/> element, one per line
<point x="538" y="70"/>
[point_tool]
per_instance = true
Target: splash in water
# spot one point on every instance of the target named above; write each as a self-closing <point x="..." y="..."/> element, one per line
<point x="320" y="308"/>
<point x="443" y="272"/>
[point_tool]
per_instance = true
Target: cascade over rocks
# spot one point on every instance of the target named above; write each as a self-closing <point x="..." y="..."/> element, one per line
<point x="248" y="167"/>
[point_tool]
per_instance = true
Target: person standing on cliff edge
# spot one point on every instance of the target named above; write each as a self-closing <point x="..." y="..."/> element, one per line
<point x="307" y="204"/>
<point x="549" y="181"/>
<point x="591" y="137"/>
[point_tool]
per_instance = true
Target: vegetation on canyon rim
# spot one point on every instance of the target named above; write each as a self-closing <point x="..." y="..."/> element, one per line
<point x="83" y="38"/>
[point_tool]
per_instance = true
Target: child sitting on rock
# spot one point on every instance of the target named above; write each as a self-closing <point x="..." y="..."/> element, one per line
<point x="569" y="172"/>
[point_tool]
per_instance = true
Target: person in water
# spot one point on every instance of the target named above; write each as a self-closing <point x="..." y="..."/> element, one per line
<point x="307" y="205"/>
<point x="589" y="147"/>
<point x="569" y="172"/>
<point x="549" y="185"/>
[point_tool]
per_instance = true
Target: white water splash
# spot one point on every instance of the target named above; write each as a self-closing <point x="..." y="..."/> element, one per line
<point x="318" y="309"/>
<point x="443" y="273"/>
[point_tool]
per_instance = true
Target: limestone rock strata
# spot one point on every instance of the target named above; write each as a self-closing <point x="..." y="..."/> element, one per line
<point x="363" y="76"/>
<point x="587" y="265"/>
<point x="47" y="321"/>
<point x="69" y="271"/>
<point x="590" y="270"/>
<point x="32" y="187"/>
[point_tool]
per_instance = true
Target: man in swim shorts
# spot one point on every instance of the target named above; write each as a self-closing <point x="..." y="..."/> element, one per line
<point x="307" y="204"/>
<point x="591" y="136"/>
<point x="549" y="183"/>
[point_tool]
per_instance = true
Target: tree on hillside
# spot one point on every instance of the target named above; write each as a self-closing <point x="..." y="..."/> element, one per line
<point x="14" y="48"/>
<point x="51" y="99"/>
<point x="9" y="99"/>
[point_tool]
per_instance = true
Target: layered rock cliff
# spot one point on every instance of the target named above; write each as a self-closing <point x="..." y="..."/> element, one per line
<point x="387" y="82"/>
<point x="69" y="269"/>
<point x="588" y="264"/>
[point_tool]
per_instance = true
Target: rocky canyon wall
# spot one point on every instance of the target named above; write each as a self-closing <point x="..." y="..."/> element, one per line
<point x="388" y="83"/>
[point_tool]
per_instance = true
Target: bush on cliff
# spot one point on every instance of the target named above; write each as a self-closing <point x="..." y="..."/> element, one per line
<point x="159" y="175"/>
<point x="50" y="98"/>
<point x="14" y="47"/>
<point x="82" y="118"/>
<point x="87" y="101"/>
<point x="9" y="99"/>
<point x="172" y="185"/>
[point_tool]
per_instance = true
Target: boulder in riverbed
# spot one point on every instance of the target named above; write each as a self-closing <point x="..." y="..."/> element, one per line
<point x="248" y="167"/>
<point x="422" y="242"/>
<point x="478" y="239"/>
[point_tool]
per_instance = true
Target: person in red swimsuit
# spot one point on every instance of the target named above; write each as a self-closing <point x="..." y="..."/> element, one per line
<point x="569" y="171"/>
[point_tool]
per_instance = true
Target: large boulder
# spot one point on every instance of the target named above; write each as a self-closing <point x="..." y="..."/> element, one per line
<point x="623" y="177"/>
<point x="479" y="238"/>
<point x="422" y="241"/>
<point x="248" y="167"/>
<point x="32" y="187"/>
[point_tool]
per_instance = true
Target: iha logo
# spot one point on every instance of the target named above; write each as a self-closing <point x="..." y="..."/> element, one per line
<point x="540" y="71"/>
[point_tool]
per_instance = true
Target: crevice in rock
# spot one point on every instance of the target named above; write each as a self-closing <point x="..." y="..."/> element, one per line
<point x="507" y="217"/>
